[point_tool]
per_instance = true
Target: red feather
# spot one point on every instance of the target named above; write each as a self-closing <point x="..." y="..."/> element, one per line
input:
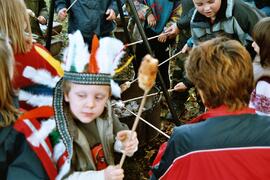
<point x="93" y="66"/>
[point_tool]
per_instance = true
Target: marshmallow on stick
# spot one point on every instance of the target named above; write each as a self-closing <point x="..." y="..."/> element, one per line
<point x="146" y="79"/>
<point x="147" y="72"/>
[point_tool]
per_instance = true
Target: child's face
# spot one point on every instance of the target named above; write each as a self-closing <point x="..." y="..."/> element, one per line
<point x="87" y="102"/>
<point x="208" y="8"/>
<point x="256" y="47"/>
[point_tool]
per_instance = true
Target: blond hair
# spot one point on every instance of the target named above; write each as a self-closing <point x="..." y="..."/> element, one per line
<point x="8" y="112"/>
<point x="14" y="22"/>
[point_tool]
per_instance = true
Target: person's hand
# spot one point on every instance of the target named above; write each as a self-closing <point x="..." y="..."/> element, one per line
<point x="130" y="143"/>
<point x="180" y="87"/>
<point x="42" y="20"/>
<point x="62" y="14"/>
<point x="172" y="31"/>
<point x="141" y="15"/>
<point x="110" y="15"/>
<point x="113" y="173"/>
<point x="185" y="49"/>
<point x="30" y="13"/>
<point x="151" y="20"/>
<point x="162" y="38"/>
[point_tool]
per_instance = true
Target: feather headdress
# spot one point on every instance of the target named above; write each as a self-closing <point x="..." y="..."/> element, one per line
<point x="82" y="68"/>
<point x="104" y="59"/>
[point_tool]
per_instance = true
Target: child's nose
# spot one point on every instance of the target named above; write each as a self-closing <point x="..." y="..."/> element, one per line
<point x="207" y="8"/>
<point x="90" y="103"/>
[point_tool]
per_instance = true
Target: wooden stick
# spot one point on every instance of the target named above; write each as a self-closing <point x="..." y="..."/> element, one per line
<point x="149" y="124"/>
<point x="140" y="41"/>
<point x="149" y="95"/>
<point x="140" y="97"/>
<point x="71" y="5"/>
<point x="180" y="52"/>
<point x="135" y="125"/>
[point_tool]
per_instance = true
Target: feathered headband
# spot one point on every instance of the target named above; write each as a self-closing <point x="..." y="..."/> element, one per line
<point x="82" y="68"/>
<point x="98" y="68"/>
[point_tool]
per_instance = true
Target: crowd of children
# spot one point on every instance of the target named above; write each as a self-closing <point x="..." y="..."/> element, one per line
<point x="56" y="117"/>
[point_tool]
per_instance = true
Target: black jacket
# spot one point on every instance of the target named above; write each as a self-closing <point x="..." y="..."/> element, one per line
<point x="17" y="160"/>
<point x="88" y="16"/>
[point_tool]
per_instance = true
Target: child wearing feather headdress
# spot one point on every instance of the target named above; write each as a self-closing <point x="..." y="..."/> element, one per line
<point x="82" y="128"/>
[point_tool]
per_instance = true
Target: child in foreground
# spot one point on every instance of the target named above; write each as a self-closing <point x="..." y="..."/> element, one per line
<point x="87" y="132"/>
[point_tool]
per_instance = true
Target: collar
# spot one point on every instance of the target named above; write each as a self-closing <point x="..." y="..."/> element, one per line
<point x="222" y="110"/>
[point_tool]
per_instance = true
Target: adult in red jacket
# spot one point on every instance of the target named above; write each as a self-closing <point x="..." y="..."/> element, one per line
<point x="229" y="141"/>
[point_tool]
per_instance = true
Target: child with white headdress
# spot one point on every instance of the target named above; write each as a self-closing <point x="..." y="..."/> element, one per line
<point x="83" y="132"/>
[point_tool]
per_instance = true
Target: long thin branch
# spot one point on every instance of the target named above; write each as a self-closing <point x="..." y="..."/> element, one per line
<point x="180" y="52"/>
<point x="149" y="95"/>
<point x="149" y="124"/>
<point x="150" y="38"/>
<point x="135" y="124"/>
<point x="71" y="5"/>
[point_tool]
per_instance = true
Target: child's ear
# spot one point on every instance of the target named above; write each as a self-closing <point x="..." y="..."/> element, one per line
<point x="66" y="98"/>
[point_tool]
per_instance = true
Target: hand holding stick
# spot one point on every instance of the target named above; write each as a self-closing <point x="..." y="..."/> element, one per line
<point x="146" y="122"/>
<point x="40" y="19"/>
<point x="31" y="14"/>
<point x="146" y="79"/>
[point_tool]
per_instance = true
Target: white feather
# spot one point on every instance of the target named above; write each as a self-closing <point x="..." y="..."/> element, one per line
<point x="63" y="170"/>
<point x="35" y="100"/>
<point x="58" y="150"/>
<point x="40" y="76"/>
<point x="116" y="90"/>
<point x="77" y="54"/>
<point x="68" y="53"/>
<point x="109" y="54"/>
<point x="39" y="136"/>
